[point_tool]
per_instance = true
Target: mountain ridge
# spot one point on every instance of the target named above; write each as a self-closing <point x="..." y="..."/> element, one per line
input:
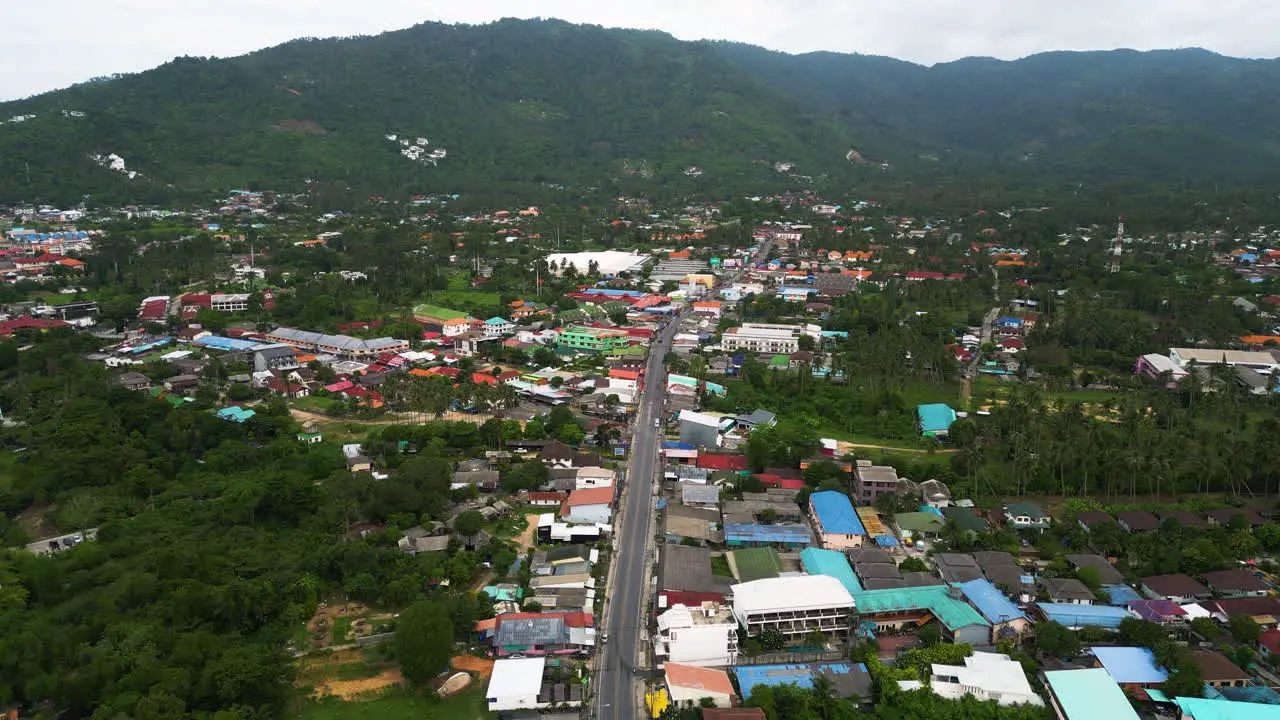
<point x="520" y="104"/>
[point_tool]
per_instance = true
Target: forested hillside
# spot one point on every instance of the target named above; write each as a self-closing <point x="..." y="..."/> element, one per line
<point x="531" y="105"/>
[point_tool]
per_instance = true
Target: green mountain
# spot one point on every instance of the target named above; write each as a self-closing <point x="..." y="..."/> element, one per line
<point x="526" y="105"/>
<point x="1119" y="117"/>
<point x="512" y="103"/>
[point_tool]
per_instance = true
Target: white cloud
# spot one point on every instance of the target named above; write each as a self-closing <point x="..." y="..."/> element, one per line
<point x="55" y="43"/>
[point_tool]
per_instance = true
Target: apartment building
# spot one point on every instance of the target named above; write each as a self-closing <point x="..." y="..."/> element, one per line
<point x="763" y="338"/>
<point x="872" y="481"/>
<point x="705" y="635"/>
<point x="794" y="605"/>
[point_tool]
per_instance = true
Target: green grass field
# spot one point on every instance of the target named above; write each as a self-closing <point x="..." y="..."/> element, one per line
<point x="400" y="705"/>
<point x="757" y="563"/>
<point x="316" y="404"/>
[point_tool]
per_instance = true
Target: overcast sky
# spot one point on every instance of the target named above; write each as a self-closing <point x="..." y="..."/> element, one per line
<point x="53" y="43"/>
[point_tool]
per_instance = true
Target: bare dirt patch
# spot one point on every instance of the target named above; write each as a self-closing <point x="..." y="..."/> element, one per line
<point x="527" y="538"/>
<point x="472" y="664"/>
<point x="351" y="689"/>
<point x="34" y="523"/>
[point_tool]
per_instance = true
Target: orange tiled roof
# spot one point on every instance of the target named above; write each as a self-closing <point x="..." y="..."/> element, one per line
<point x="699" y="678"/>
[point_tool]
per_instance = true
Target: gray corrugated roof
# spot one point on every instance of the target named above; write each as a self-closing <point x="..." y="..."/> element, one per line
<point x="533" y="631"/>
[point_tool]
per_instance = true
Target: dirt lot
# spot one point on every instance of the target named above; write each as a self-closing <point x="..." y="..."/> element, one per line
<point x="323" y="672"/>
<point x="528" y="538"/>
<point x="351" y="689"/>
<point x="33" y="522"/>
<point x="472" y="664"/>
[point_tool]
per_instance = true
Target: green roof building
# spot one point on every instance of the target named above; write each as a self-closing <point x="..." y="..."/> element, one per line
<point x="966" y="519"/>
<point x="898" y="607"/>
<point x="581" y="337"/>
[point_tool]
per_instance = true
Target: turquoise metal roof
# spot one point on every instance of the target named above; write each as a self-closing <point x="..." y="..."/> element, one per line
<point x="831" y="563"/>
<point x="950" y="610"/>
<point x="1089" y="695"/>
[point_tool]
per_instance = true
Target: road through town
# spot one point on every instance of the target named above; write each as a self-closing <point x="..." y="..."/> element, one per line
<point x="625" y="623"/>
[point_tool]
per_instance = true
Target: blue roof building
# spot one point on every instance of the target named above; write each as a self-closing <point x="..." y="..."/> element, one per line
<point x="754" y="535"/>
<point x="831" y="563"/>
<point x="1078" y="616"/>
<point x="989" y="601"/>
<point x="1120" y="595"/>
<point x="935" y="419"/>
<point x="836" y="522"/>
<point x="848" y="679"/>
<point x="1088" y="695"/>
<point x="1130" y="665"/>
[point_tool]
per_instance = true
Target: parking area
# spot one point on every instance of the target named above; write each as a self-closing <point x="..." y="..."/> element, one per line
<point x="62" y="542"/>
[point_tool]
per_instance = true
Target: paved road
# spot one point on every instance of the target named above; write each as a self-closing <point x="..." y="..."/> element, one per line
<point x="988" y="323"/>
<point x="615" y="681"/>
<point x="616" y="696"/>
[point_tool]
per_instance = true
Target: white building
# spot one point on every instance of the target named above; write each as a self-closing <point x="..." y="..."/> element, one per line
<point x="986" y="676"/>
<point x="515" y="684"/>
<point x="589" y="506"/>
<point x="763" y="338"/>
<point x="593" y="477"/>
<point x="705" y="635"/>
<point x="1263" y="362"/>
<point x="498" y="327"/>
<point x="608" y="262"/>
<point x="225" y="302"/>
<point x="794" y="605"/>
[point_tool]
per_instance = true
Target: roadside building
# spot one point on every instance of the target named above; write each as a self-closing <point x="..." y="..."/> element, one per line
<point x="762" y="338"/>
<point x="690" y="683"/>
<point x="594" y="505"/>
<point x="515" y="684"/>
<point x="594" y="339"/>
<point x="704" y="635"/>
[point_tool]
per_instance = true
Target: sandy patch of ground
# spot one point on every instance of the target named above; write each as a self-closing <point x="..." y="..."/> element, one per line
<point x="351" y="689"/>
<point x="473" y="664"/>
<point x="527" y="538"/>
